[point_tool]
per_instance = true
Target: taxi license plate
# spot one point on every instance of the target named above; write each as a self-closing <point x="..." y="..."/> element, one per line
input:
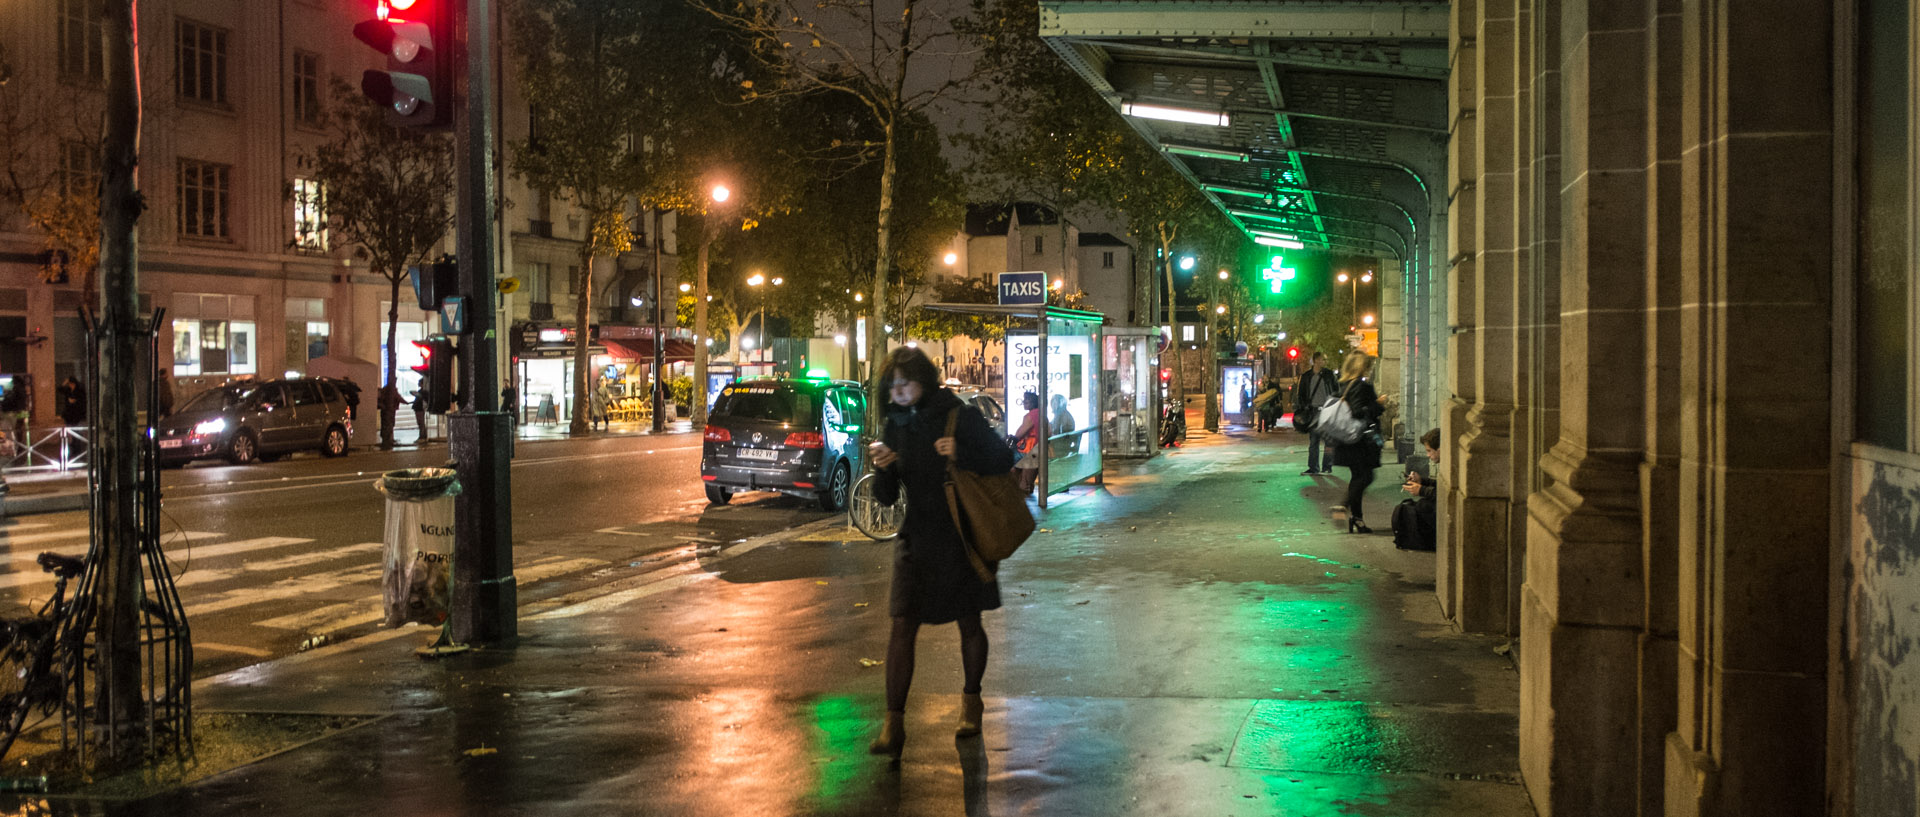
<point x="758" y="454"/>
<point x="172" y="443"/>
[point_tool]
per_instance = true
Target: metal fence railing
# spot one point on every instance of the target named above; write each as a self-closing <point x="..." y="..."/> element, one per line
<point x="56" y="450"/>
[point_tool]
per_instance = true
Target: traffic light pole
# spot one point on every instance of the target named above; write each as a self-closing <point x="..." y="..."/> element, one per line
<point x="485" y="598"/>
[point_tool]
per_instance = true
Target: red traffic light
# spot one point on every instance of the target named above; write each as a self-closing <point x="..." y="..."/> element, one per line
<point x="417" y="85"/>
<point x="1293" y="352"/>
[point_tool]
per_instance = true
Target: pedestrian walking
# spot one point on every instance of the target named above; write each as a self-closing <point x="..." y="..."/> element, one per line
<point x="1315" y="386"/>
<point x="162" y="394"/>
<point x="597" y="405"/>
<point x="419" y="402"/>
<point x="510" y="401"/>
<point x="72" y="399"/>
<point x="1026" y="443"/>
<point x="933" y="580"/>
<point x="1361" y="456"/>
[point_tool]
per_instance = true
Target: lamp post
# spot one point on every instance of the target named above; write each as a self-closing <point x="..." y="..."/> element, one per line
<point x="755" y="281"/>
<point x="1354" y="291"/>
<point x="719" y="194"/>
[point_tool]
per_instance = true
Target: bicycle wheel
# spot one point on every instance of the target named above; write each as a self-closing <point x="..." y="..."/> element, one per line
<point x="878" y="521"/>
<point x="18" y="668"/>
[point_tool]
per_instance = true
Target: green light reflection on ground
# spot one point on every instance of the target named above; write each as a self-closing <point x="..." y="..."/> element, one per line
<point x="841" y="729"/>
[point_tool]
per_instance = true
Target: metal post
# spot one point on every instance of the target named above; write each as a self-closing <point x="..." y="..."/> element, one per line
<point x="659" y="339"/>
<point x="485" y="599"/>
<point x="1046" y="403"/>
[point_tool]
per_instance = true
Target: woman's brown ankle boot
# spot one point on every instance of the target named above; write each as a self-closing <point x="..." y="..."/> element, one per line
<point x="971" y="710"/>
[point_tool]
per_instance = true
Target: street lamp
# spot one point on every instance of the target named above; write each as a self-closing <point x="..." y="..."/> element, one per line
<point x="756" y="280"/>
<point x="719" y="194"/>
<point x="951" y="259"/>
<point x="1354" y="288"/>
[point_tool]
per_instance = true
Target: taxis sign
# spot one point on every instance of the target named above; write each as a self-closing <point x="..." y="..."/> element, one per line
<point x="1022" y="288"/>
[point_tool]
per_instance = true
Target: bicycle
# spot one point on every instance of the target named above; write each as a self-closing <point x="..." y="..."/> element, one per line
<point x="40" y="653"/>
<point x="878" y="521"/>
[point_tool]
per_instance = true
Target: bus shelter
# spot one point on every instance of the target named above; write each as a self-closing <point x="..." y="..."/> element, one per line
<point x="1054" y="353"/>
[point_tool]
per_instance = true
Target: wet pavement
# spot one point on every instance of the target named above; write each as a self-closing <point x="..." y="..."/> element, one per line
<point x="1196" y="637"/>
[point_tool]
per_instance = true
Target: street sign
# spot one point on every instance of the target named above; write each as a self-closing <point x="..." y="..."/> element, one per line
<point x="1022" y="288"/>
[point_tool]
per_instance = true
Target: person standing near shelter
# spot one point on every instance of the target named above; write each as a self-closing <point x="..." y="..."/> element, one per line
<point x="1361" y="456"/>
<point x="1026" y="443"/>
<point x="933" y="578"/>
<point x="1315" y="386"/>
<point x="510" y="401"/>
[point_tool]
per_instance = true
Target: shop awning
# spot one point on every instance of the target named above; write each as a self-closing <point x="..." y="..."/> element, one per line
<point x="640" y="350"/>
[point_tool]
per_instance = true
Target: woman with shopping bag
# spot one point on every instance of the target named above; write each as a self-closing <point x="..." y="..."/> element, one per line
<point x="934" y="578"/>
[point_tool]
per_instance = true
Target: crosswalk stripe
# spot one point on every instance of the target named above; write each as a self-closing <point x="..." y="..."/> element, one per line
<point x="331" y="617"/>
<point x="13" y="526"/>
<point x="203" y="575"/>
<point x="294" y="588"/>
<point x="368" y="610"/>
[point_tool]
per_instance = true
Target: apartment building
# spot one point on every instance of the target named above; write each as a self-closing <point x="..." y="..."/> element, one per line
<point x="234" y="244"/>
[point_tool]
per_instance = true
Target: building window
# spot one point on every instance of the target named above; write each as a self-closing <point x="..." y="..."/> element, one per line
<point x="1039" y="242"/>
<point x="306" y="88"/>
<point x="309" y="215"/>
<point x="573" y="280"/>
<point x="202" y="57"/>
<point x="82" y="55"/>
<point x="203" y="198"/>
<point x="213" y="334"/>
<point x="1186" y="333"/>
<point x="1885" y="180"/>
<point x="539" y="283"/>
<point x="308" y="333"/>
<point x="79" y="170"/>
<point x="1106" y="259"/>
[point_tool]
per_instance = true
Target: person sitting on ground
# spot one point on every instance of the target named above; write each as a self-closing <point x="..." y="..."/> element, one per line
<point x="1414" y="520"/>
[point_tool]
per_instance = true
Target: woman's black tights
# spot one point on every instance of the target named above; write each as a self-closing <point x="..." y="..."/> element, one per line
<point x="973" y="658"/>
<point x="1358" y="478"/>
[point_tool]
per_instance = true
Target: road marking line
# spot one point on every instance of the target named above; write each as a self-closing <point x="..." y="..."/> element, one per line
<point x="321" y="620"/>
<point x="541" y="572"/>
<point x="22" y="525"/>
<point x="658" y="581"/>
<point x="47" y="536"/>
<point x="303" y="586"/>
<point x="199" y="576"/>
<point x="216" y="646"/>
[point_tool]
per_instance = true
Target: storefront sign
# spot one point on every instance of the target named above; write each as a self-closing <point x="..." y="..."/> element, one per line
<point x="1023" y="288"/>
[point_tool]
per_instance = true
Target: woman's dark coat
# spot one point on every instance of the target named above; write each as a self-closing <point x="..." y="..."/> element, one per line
<point x="1365" y="403"/>
<point x="933" y="582"/>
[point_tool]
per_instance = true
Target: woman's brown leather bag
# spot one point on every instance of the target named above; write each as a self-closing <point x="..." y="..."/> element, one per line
<point x="989" y="510"/>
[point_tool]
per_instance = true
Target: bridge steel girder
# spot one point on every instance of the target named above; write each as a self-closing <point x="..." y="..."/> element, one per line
<point x="1379" y="20"/>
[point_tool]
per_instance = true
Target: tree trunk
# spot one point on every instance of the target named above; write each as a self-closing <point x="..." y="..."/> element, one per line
<point x="582" y="362"/>
<point x="389" y="408"/>
<point x="700" y="329"/>
<point x="1179" y="390"/>
<point x="116" y="441"/>
<point x="877" y="325"/>
<point x="1210" y="362"/>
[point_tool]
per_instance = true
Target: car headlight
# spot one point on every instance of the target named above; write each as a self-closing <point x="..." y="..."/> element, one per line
<point x="213" y="426"/>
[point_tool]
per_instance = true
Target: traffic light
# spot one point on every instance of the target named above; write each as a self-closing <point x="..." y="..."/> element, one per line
<point x="1293" y="353"/>
<point x="417" y="37"/>
<point x="436" y="373"/>
<point x="432" y="283"/>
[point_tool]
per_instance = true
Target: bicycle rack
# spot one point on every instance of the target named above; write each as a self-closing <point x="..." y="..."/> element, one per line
<point x="166" y="643"/>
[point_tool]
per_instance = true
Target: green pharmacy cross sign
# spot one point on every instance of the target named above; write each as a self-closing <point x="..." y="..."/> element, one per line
<point x="1277" y="274"/>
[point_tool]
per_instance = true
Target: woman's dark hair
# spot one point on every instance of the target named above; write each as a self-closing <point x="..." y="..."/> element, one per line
<point x="1431" y="439"/>
<point x="914" y="365"/>
<point x="1030" y="400"/>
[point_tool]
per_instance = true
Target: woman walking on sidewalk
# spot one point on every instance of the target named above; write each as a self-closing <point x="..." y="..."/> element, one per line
<point x="933" y="580"/>
<point x="1361" y="456"/>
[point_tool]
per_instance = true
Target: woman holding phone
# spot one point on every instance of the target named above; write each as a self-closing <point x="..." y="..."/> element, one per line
<point x="933" y="580"/>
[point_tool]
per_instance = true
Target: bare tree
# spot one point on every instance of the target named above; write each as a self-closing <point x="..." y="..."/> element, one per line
<point x="892" y="56"/>
<point x="385" y="190"/>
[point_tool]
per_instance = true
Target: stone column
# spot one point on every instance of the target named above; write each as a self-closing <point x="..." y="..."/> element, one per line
<point x="1583" y="602"/>
<point x="1755" y="368"/>
<point x="1462" y="308"/>
<point x="1485" y="522"/>
<point x="1660" y="467"/>
<point x="1389" y="373"/>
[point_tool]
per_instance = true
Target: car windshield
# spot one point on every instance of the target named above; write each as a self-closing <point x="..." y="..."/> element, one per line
<point x="775" y="404"/>
<point x="213" y="400"/>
